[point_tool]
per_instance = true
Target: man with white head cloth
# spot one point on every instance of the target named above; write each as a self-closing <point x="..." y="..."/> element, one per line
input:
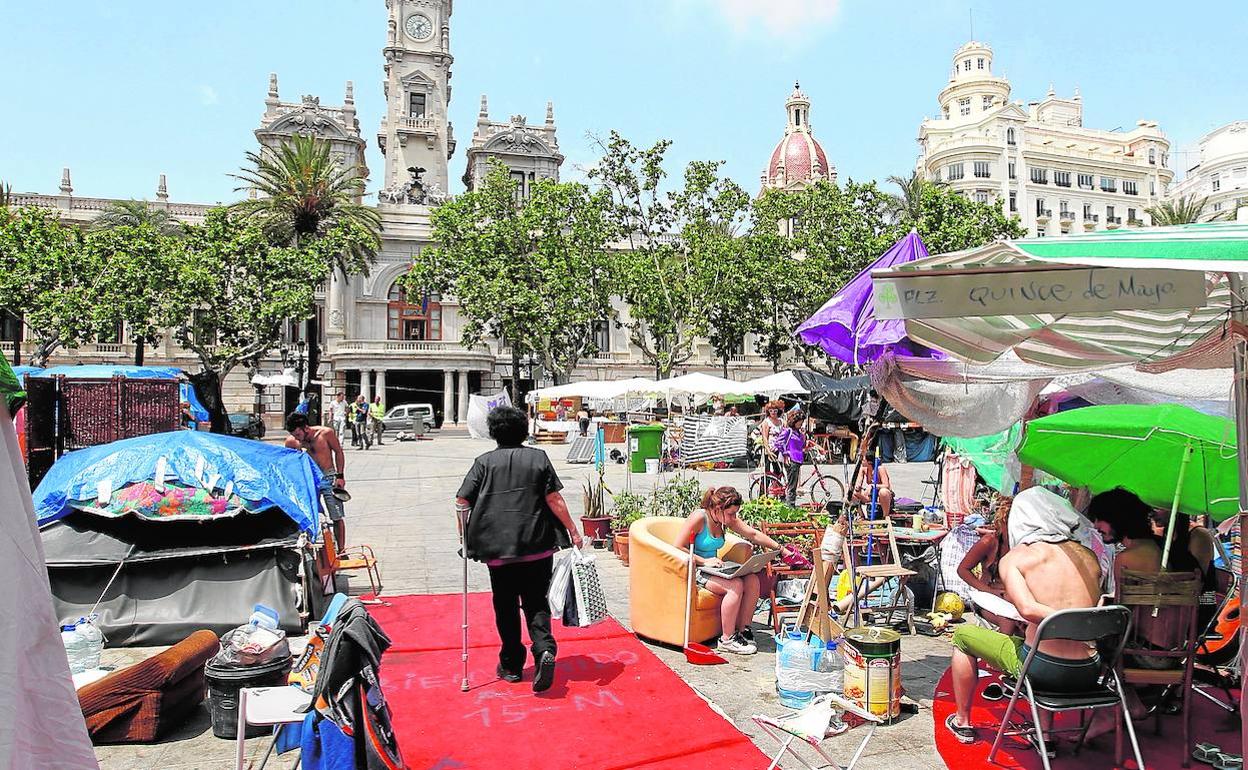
<point x="1048" y="568"/>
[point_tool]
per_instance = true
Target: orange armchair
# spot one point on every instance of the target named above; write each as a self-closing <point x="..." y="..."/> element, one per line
<point x="657" y="582"/>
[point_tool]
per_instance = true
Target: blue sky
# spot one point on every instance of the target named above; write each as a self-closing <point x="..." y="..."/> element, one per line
<point x="124" y="91"/>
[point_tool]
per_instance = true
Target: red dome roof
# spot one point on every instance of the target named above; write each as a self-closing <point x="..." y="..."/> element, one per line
<point x="800" y="152"/>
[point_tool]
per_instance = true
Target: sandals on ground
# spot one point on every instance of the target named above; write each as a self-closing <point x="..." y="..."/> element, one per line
<point x="993" y="692"/>
<point x="1210" y="754"/>
<point x="961" y="734"/>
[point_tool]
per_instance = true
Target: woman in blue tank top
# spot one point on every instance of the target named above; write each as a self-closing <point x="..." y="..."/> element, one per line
<point x="707" y="529"/>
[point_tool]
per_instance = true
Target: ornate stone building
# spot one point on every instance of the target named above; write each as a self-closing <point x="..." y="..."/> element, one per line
<point x="1038" y="161"/>
<point x="798" y="160"/>
<point x="531" y="153"/>
<point x="1220" y="172"/>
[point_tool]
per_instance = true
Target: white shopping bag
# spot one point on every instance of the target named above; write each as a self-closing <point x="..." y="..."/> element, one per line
<point x="559" y="581"/>
<point x="587" y="604"/>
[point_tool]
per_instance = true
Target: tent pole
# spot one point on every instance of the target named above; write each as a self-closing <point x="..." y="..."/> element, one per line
<point x="1174" y="507"/>
<point x="1239" y="313"/>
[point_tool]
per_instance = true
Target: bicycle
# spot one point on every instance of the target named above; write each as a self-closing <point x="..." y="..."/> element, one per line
<point x="820" y="487"/>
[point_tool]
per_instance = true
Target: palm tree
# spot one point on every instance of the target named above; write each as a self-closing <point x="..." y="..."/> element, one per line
<point x="303" y="193"/>
<point x="906" y="208"/>
<point x="134" y="213"/>
<point x="1185" y="210"/>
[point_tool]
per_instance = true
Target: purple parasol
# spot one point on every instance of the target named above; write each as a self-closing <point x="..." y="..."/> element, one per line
<point x="846" y="327"/>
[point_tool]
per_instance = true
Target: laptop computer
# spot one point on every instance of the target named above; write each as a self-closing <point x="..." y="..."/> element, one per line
<point x="730" y="569"/>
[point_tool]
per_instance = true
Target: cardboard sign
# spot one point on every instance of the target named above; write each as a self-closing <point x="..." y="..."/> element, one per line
<point x="1019" y="290"/>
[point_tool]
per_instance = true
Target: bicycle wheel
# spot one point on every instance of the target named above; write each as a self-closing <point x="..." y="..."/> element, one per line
<point x="758" y="486"/>
<point x="825" y="488"/>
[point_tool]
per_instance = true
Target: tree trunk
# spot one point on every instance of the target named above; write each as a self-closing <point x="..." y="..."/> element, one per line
<point x="207" y="386"/>
<point x="139" y="346"/>
<point x="725" y="359"/>
<point x="515" y="375"/>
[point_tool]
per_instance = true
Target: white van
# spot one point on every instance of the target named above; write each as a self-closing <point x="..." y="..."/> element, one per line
<point x="405" y="416"/>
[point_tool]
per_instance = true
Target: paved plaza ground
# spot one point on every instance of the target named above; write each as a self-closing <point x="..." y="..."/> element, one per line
<point x="402" y="506"/>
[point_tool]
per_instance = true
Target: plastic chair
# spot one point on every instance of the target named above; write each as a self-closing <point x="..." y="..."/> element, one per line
<point x="350" y="558"/>
<point x="267" y="706"/>
<point x="811" y="724"/>
<point x="1163" y="607"/>
<point x="1107" y="626"/>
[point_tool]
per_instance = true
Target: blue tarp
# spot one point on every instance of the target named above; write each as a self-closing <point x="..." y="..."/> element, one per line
<point x="264" y="475"/>
<point x="105" y="371"/>
<point x="26" y="371"/>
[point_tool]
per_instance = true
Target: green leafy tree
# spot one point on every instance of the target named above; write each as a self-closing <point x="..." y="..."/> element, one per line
<point x="949" y="221"/>
<point x="906" y="206"/>
<point x="236" y="288"/>
<point x="47" y="280"/>
<point x="531" y="272"/>
<point x="303" y="193"/>
<point x="132" y="213"/>
<point x="1186" y="209"/>
<point x="135" y="263"/>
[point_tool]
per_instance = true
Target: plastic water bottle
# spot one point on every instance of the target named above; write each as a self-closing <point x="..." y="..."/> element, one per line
<point x="73" y="648"/>
<point x="831" y="663"/>
<point x="264" y="617"/>
<point x="794" y="658"/>
<point x="91" y="640"/>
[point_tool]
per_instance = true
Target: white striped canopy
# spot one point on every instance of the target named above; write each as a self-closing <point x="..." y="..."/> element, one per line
<point x="1160" y="338"/>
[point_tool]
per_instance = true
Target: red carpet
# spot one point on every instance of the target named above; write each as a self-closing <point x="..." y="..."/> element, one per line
<point x="1161" y="752"/>
<point x="613" y="705"/>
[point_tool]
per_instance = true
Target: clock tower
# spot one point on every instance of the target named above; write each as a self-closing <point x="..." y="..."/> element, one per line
<point x="416" y="137"/>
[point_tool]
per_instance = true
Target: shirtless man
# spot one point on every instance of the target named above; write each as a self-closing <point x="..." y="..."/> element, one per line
<point x="1122" y="519"/>
<point x="1040" y="578"/>
<point x="322" y="444"/>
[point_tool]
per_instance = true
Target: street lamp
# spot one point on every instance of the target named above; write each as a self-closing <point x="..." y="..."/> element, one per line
<point x="296" y="358"/>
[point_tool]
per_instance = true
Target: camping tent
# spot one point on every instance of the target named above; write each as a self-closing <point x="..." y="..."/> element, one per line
<point x="254" y="505"/>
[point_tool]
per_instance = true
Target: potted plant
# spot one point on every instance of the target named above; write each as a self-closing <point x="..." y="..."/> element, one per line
<point x="629" y="507"/>
<point x="595" y="521"/>
<point x="678" y="497"/>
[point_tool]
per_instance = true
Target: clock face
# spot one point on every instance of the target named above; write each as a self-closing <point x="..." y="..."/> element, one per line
<point x="418" y="27"/>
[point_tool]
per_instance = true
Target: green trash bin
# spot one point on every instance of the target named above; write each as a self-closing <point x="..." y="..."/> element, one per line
<point x="645" y="442"/>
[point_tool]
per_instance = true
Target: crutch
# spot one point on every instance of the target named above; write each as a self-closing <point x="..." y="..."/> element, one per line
<point x="461" y="514"/>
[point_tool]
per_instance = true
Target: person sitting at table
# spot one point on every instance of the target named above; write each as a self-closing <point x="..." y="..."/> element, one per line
<point x="987" y="590"/>
<point x="868" y="481"/>
<point x="1047" y="569"/>
<point x="1123" y="521"/>
<point x="707" y="529"/>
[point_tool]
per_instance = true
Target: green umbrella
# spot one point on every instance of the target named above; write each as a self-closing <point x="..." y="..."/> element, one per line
<point x="1171" y="456"/>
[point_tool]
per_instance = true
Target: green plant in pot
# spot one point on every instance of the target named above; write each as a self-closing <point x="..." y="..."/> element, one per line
<point x="678" y="497"/>
<point x="595" y="521"/>
<point x="629" y="507"/>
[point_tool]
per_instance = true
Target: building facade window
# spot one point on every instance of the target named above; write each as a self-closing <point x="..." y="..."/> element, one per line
<point x="946" y="112"/>
<point x="522" y="191"/>
<point x="1109" y="215"/>
<point x="1109" y="184"/>
<point x="416" y="105"/>
<point x="1011" y="170"/>
<point x="936" y="174"/>
<point x="1040" y="210"/>
<point x="979" y="62"/>
<point x="967" y="65"/>
<point x="982" y="196"/>
<point x="1131" y="217"/>
<point x="1152" y="187"/>
<point x="412" y="321"/>
<point x="1085" y="182"/>
<point x="1215" y="182"/>
<point x="964" y="106"/>
<point x="10" y="327"/>
<point x="987" y="103"/>
<point x="1009" y="136"/>
<point x="1061" y="178"/>
<point x="1152" y="156"/>
<point x="1130" y="188"/>
<point x="1087" y="211"/>
<point x="1013" y="201"/>
<point x="602" y="335"/>
<point x="1040" y="175"/>
<point x="981" y="169"/>
<point x="1041" y="231"/>
<point x="1064" y="208"/>
<point x="955" y="171"/>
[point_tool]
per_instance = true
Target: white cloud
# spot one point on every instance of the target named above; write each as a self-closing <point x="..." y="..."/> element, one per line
<point x="208" y="95"/>
<point x="777" y="17"/>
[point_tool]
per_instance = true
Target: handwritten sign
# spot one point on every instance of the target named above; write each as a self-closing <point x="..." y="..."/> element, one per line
<point x="1021" y="290"/>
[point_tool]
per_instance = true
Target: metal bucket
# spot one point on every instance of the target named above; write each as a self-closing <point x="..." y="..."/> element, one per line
<point x="873" y="670"/>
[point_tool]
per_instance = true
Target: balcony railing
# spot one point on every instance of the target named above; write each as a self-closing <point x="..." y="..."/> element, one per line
<point x="1091" y="217"/>
<point x="1067" y="217"/>
<point x="418" y="125"/>
<point x="1044" y="215"/>
<point x="408" y="346"/>
<point x="1113" y="220"/>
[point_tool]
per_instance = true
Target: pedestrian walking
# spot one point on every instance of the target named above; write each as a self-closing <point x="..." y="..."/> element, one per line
<point x="338" y="415"/>
<point x="376" y="415"/>
<point x="516" y="518"/>
<point x="359" y="416"/>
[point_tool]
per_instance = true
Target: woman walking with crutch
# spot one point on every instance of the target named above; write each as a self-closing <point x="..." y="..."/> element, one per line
<point x="516" y="519"/>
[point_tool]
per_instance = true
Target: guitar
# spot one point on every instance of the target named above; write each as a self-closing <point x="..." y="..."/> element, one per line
<point x="1222" y="641"/>
<point x="305" y="670"/>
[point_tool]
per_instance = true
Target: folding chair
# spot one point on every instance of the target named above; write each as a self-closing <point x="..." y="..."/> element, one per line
<point x="1164" y="607"/>
<point x="814" y="723"/>
<point x="1217" y="650"/>
<point x="866" y="535"/>
<point x="1107" y="626"/>
<point x="349" y="558"/>
<point x="775" y="572"/>
<point x="267" y="706"/>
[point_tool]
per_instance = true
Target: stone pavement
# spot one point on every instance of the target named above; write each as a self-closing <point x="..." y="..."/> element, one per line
<point x="402" y="507"/>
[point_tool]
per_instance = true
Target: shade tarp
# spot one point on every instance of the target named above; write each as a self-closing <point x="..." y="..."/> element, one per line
<point x="1207" y="247"/>
<point x="285" y="379"/>
<point x="1078" y="341"/>
<point x="1140" y="448"/>
<point x="992" y="456"/>
<point x="263" y="475"/>
<point x="846" y="327"/>
<point x="698" y="385"/>
<point x="773" y="385"/>
<point x="592" y="389"/>
<point x="107" y="371"/>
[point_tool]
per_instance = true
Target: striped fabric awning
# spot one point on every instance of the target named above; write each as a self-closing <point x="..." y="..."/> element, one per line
<point x="1208" y="247"/>
<point x="1074" y="340"/>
